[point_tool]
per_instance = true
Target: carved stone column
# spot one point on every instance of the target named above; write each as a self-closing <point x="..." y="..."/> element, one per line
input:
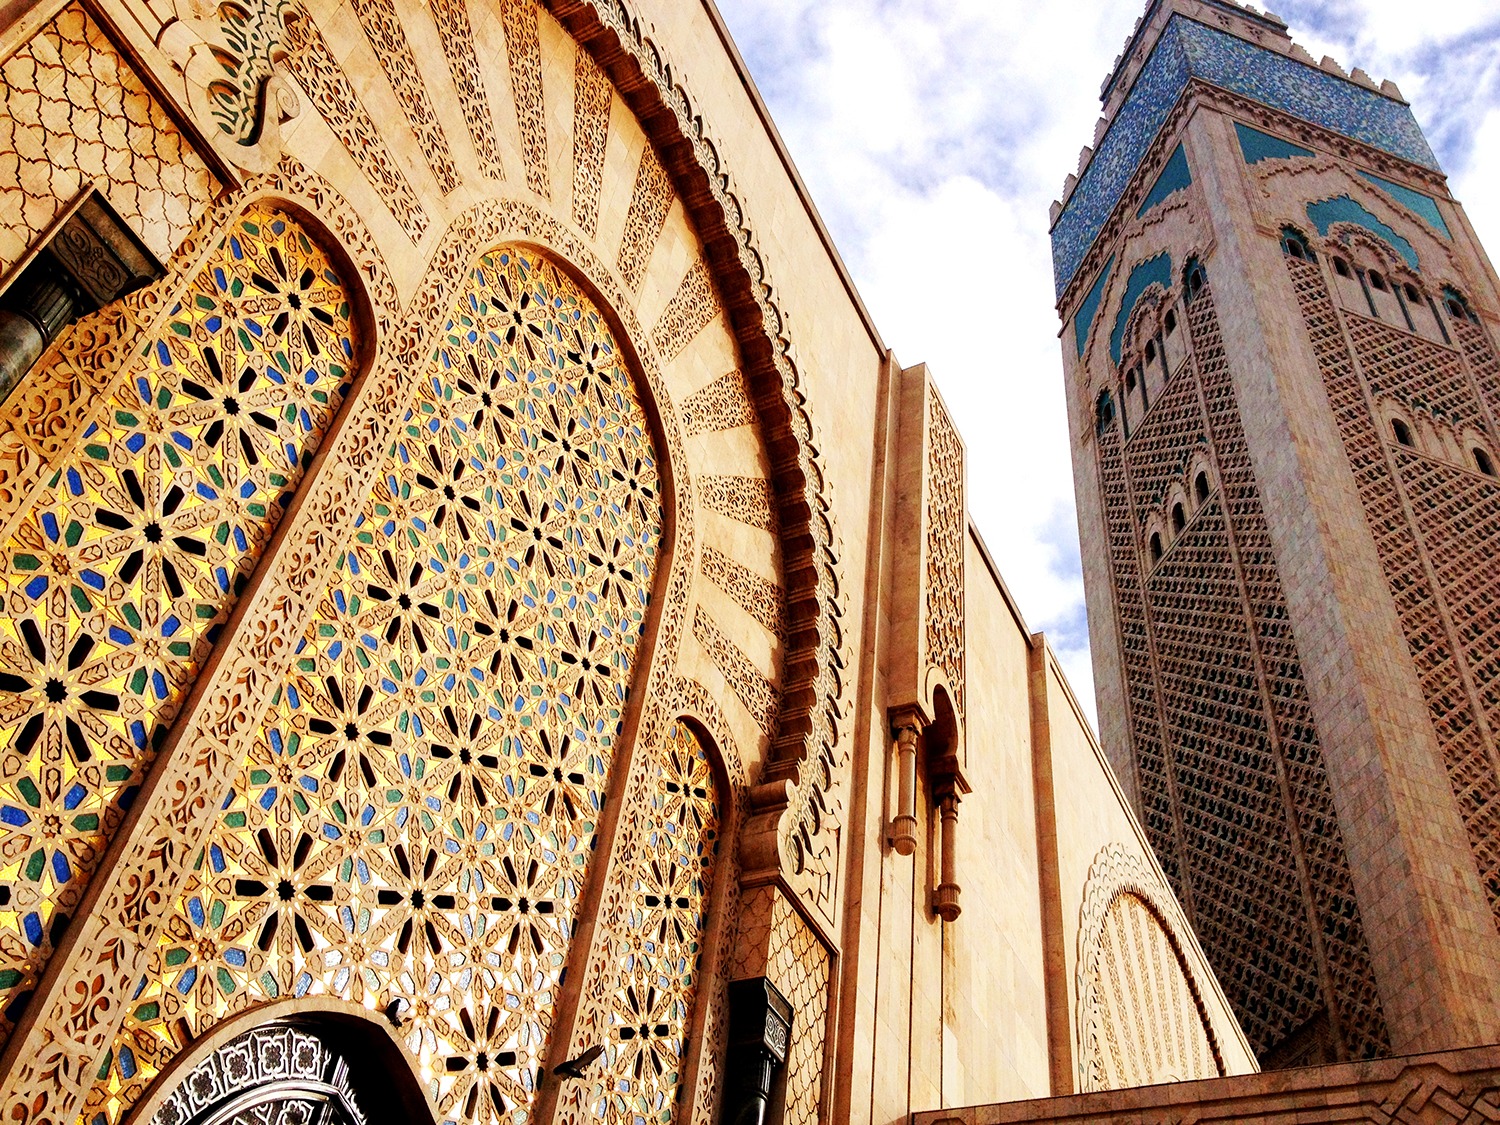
<point x="906" y="730"/>
<point x="945" y="897"/>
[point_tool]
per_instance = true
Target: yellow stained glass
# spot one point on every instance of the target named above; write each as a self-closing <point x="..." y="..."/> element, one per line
<point x="116" y="582"/>
<point x="653" y="1002"/>
<point x="415" y="822"/>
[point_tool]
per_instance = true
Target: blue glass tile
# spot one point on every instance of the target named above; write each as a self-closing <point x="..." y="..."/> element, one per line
<point x="1158" y="270"/>
<point x="1342" y="209"/>
<point x="1335" y="103"/>
<point x="1423" y="206"/>
<point x="1256" y="146"/>
<point x="1174" y="177"/>
<point x="1135" y="126"/>
<point x="1187" y="49"/>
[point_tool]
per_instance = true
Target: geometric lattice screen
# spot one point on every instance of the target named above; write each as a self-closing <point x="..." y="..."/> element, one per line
<point x="116" y="581"/>
<point x="668" y="905"/>
<point x="418" y="813"/>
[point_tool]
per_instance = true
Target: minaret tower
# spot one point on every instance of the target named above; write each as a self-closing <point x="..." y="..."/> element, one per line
<point x="1284" y="396"/>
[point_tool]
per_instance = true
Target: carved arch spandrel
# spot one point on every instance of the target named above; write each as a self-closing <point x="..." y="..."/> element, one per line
<point x="808" y="713"/>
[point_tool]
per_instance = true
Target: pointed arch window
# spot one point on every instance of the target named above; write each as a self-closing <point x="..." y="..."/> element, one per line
<point x="119" y="577"/>
<point x="1295" y="245"/>
<point x="1194" y="279"/>
<point x="419" y="809"/>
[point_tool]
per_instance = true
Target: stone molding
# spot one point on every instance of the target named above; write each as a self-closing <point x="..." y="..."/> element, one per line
<point x="1437" y="1089"/>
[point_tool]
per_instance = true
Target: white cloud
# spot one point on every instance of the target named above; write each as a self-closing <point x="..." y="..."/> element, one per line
<point x="933" y="134"/>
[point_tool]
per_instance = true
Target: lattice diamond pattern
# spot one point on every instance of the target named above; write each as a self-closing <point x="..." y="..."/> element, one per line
<point x="118" y="580"/>
<point x="417" y="817"/>
<point x="1416" y="505"/>
<point x="1206" y="644"/>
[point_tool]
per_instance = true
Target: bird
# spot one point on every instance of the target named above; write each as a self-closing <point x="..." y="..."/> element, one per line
<point x="394" y="1009"/>
<point x="574" y="1068"/>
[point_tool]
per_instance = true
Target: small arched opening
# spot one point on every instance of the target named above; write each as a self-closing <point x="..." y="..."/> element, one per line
<point x="1104" y="411"/>
<point x="1295" y="245"/>
<point x="1193" y="279"/>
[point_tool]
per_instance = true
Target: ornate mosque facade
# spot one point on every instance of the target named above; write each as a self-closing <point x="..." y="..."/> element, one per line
<point x="487" y="628"/>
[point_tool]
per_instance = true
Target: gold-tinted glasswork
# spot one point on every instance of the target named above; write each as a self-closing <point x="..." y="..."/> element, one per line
<point x="415" y="821"/>
<point x="116" y="582"/>
<point x="668" y="906"/>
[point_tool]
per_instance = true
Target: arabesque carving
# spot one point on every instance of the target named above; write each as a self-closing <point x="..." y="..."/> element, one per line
<point x="388" y="40"/>
<point x="524" y="51"/>
<point x="1127" y="929"/>
<point x="457" y="34"/>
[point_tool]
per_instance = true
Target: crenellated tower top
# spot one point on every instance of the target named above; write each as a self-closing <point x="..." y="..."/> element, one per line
<point x="1233" y="47"/>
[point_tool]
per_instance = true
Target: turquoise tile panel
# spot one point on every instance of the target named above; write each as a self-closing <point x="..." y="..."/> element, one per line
<point x="1083" y="323"/>
<point x="1256" y="146"/>
<point x="1156" y="90"/>
<point x="1342" y="209"/>
<point x="1423" y="206"/>
<point x="1174" y="177"/>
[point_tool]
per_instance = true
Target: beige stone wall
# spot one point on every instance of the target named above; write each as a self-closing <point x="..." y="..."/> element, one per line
<point x="934" y="1012"/>
<point x="1102" y="853"/>
<point x="622" y="146"/>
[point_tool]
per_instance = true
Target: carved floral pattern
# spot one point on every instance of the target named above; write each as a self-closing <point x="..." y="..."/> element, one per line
<point x="944" y="580"/>
<point x="383" y="28"/>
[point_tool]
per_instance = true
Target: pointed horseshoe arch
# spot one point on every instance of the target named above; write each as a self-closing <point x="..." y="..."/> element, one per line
<point x="289" y="1063"/>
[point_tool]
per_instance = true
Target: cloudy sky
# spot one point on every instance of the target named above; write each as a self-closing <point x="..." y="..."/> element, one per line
<point x="933" y="135"/>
